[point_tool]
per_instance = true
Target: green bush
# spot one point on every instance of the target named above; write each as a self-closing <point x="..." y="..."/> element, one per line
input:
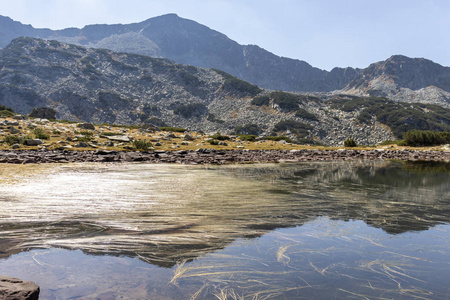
<point x="3" y="107"/>
<point x="191" y="110"/>
<point x="39" y="133"/>
<point x="261" y="100"/>
<point x="278" y="138"/>
<point x="6" y="113"/>
<point x="155" y="121"/>
<point x="212" y="118"/>
<point x="397" y="142"/>
<point x="248" y="129"/>
<point x="87" y="133"/>
<point x="400" y="117"/>
<point x="416" y="138"/>
<point x="111" y="133"/>
<point x="173" y="129"/>
<point x="298" y="128"/>
<point x="142" y="144"/>
<point x="220" y="137"/>
<point x="247" y="137"/>
<point x="213" y="142"/>
<point x="233" y="84"/>
<point x="302" y="113"/>
<point x="350" y="143"/>
<point x="12" y="139"/>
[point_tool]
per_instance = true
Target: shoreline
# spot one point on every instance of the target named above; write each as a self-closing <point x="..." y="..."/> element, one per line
<point x="217" y="157"/>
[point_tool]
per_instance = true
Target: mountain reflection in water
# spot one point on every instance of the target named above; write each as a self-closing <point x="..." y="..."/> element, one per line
<point x="167" y="213"/>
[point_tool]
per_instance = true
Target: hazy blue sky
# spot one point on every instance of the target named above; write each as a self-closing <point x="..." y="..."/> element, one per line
<point x="325" y="33"/>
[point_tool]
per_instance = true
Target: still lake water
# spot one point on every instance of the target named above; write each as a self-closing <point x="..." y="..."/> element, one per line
<point x="322" y="230"/>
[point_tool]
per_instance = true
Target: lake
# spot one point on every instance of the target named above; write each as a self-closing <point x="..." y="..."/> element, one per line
<point x="316" y="230"/>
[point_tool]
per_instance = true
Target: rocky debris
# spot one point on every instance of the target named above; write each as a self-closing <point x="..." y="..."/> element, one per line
<point x="43" y="113"/>
<point x="211" y="156"/>
<point x="17" y="289"/>
<point x="87" y="126"/>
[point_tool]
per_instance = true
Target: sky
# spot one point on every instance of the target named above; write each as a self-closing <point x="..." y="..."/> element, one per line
<point x="324" y="33"/>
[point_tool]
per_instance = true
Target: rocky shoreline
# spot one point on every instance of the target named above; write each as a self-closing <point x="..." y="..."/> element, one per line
<point x="211" y="156"/>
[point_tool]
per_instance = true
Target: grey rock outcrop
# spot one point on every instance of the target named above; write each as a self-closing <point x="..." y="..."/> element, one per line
<point x="43" y="113"/>
<point x="17" y="289"/>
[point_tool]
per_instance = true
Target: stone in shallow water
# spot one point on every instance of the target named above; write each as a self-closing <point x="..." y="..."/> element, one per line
<point x="17" y="289"/>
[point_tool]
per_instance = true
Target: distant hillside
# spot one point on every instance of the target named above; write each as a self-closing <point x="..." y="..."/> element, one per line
<point x="404" y="79"/>
<point x="102" y="86"/>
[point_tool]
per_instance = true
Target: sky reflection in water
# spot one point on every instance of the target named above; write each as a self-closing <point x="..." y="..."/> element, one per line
<point x="168" y="231"/>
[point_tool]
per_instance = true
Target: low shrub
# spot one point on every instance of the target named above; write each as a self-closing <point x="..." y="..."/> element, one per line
<point x="111" y="133"/>
<point x="247" y="137"/>
<point x="39" y="133"/>
<point x="3" y="107"/>
<point x="416" y="138"/>
<point x="302" y="113"/>
<point x="142" y="144"/>
<point x="278" y="138"/>
<point x="350" y="142"/>
<point x="6" y="113"/>
<point x="261" y="100"/>
<point x="173" y="129"/>
<point x="248" y="129"/>
<point x="298" y="128"/>
<point x="87" y="133"/>
<point x="213" y="142"/>
<point x="220" y="137"/>
<point x="191" y="110"/>
<point x="13" y="139"/>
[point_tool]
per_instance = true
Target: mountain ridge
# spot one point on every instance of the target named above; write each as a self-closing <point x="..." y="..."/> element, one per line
<point x="189" y="42"/>
<point x="103" y="86"/>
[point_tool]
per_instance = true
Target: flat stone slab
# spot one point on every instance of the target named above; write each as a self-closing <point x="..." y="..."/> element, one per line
<point x="17" y="289"/>
<point x="119" y="138"/>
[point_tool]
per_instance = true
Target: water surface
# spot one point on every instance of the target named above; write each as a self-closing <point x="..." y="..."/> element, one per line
<point x="374" y="230"/>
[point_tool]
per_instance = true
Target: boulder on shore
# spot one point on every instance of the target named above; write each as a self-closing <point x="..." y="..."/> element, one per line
<point x="17" y="289"/>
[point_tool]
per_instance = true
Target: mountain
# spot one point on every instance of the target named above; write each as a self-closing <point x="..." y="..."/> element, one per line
<point x="185" y="41"/>
<point x="188" y="42"/>
<point x="404" y="79"/>
<point x="103" y="86"/>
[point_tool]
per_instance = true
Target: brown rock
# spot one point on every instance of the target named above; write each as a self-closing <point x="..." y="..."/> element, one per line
<point x="17" y="289"/>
